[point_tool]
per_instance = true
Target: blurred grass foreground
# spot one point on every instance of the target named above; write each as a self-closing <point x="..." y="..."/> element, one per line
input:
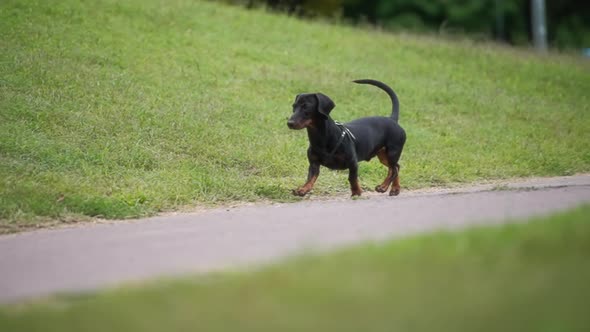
<point x="518" y="277"/>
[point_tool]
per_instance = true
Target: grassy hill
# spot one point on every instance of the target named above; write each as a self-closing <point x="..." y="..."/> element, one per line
<point x="120" y="109"/>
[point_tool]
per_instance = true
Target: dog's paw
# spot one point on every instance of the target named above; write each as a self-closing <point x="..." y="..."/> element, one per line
<point x="394" y="192"/>
<point x="356" y="193"/>
<point x="381" y="189"/>
<point x="300" y="192"/>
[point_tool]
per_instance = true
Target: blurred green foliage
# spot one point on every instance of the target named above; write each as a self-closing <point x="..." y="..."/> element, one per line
<point x="568" y="21"/>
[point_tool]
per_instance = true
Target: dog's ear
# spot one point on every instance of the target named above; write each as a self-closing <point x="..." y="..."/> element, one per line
<point x="325" y="104"/>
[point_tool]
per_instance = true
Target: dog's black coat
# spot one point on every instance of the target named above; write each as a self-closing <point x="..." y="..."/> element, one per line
<point x="373" y="136"/>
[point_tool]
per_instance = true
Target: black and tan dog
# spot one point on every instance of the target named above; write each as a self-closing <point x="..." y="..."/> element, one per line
<point x="342" y="146"/>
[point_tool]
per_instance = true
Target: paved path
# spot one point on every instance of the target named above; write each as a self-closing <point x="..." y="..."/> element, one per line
<point x="84" y="258"/>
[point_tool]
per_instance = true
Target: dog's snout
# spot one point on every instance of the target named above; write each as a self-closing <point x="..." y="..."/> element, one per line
<point x="291" y="124"/>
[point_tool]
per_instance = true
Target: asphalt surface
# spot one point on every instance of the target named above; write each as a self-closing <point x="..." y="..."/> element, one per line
<point x="84" y="258"/>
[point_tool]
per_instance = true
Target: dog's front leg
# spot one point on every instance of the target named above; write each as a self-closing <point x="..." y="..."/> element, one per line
<point x="353" y="178"/>
<point x="312" y="176"/>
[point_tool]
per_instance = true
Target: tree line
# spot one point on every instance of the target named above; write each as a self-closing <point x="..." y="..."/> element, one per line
<point x="568" y="21"/>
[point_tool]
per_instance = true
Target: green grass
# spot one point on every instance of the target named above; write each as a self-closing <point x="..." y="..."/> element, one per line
<point x="122" y="109"/>
<point x="520" y="277"/>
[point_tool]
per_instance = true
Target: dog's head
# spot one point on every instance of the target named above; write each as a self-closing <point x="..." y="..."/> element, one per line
<point x="309" y="107"/>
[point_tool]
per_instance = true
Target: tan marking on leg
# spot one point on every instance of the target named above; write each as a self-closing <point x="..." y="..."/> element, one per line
<point x="395" y="189"/>
<point x="355" y="187"/>
<point x="385" y="185"/>
<point x="382" y="155"/>
<point x="307" y="187"/>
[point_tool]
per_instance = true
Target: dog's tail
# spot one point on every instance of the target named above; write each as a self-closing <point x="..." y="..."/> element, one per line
<point x="389" y="91"/>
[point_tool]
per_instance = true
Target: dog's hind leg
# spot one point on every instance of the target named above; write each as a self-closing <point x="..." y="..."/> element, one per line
<point x="393" y="156"/>
<point x="395" y="188"/>
<point x="390" y="157"/>
<point x="382" y="155"/>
